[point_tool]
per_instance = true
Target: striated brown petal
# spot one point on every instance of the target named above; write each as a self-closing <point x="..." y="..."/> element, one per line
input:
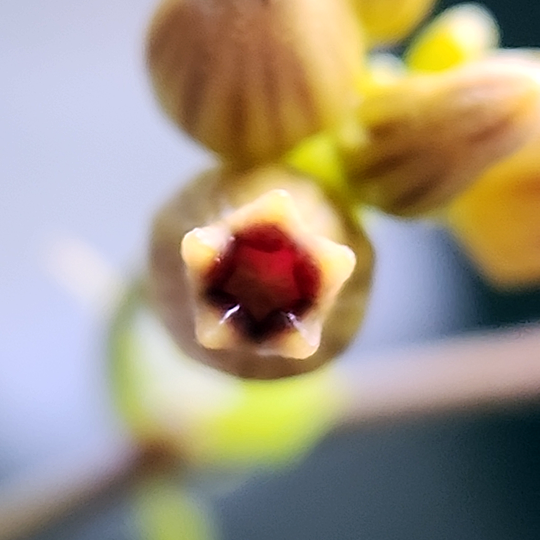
<point x="429" y="137"/>
<point x="251" y="79"/>
<point x="275" y="285"/>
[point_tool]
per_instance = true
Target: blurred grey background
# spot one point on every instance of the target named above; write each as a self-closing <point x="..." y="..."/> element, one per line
<point x="86" y="157"/>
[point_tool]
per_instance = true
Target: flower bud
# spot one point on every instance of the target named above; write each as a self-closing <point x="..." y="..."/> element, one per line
<point x="259" y="273"/>
<point x="428" y="137"/>
<point x="251" y="79"/>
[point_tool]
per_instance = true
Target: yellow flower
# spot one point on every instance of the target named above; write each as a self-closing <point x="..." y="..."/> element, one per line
<point x="388" y="21"/>
<point x="461" y="34"/>
<point x="498" y="219"/>
<point x="450" y="128"/>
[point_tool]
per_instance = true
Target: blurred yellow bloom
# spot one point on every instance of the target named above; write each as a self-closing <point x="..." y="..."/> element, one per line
<point x="388" y="21"/>
<point x="452" y="124"/>
<point x="463" y="33"/>
<point x="498" y="219"/>
<point x="460" y="34"/>
<point x="448" y="128"/>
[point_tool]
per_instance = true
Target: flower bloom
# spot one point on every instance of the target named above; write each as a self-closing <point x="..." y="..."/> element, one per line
<point x="251" y="275"/>
<point x="452" y="131"/>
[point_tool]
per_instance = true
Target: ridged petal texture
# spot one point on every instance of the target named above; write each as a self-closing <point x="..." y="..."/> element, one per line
<point x="428" y="137"/>
<point x="498" y="220"/>
<point x="250" y="79"/>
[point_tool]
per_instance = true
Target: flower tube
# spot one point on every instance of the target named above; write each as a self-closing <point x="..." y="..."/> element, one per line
<point x="259" y="273"/>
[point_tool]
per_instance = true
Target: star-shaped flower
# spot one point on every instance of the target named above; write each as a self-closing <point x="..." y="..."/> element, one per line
<point x="263" y="280"/>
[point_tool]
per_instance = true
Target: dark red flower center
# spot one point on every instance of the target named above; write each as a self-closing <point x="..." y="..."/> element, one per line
<point x="263" y="281"/>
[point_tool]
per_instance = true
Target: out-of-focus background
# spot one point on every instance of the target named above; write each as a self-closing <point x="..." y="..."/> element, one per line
<point x="85" y="158"/>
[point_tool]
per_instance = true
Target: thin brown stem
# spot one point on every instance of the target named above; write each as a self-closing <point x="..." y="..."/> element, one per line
<point x="498" y="371"/>
<point x="43" y="497"/>
<point x="492" y="371"/>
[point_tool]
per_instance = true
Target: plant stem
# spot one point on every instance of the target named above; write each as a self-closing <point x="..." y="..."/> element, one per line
<point x="494" y="371"/>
